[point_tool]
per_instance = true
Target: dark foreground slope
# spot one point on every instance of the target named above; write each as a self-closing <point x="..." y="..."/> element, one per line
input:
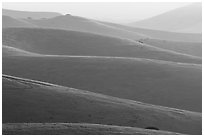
<point x="37" y="102"/>
<point x="75" y="129"/>
<point x="61" y="42"/>
<point x="157" y="82"/>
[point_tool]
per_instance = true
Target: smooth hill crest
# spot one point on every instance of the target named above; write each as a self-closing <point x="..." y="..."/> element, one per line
<point x="70" y="22"/>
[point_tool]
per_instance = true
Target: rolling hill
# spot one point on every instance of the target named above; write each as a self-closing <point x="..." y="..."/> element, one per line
<point x="29" y="14"/>
<point x="178" y="20"/>
<point x="27" y="100"/>
<point x="107" y="78"/>
<point x="106" y="28"/>
<point x="62" y="42"/>
<point x="69" y="22"/>
<point x="157" y="82"/>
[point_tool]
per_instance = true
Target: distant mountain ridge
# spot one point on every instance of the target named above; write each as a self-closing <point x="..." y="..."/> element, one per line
<point x="184" y="19"/>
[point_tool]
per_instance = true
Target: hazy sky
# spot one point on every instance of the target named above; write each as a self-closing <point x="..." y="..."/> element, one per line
<point x="120" y="11"/>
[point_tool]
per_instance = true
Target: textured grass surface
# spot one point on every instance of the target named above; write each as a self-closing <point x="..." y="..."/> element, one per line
<point x="37" y="102"/>
<point x="75" y="129"/>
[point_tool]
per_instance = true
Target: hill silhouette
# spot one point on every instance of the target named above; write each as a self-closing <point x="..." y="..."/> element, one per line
<point x="178" y="20"/>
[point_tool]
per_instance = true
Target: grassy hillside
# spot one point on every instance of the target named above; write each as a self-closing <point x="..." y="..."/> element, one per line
<point x="61" y="42"/>
<point x="75" y="129"/>
<point x="34" y="101"/>
<point x="151" y="81"/>
<point x="191" y="48"/>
